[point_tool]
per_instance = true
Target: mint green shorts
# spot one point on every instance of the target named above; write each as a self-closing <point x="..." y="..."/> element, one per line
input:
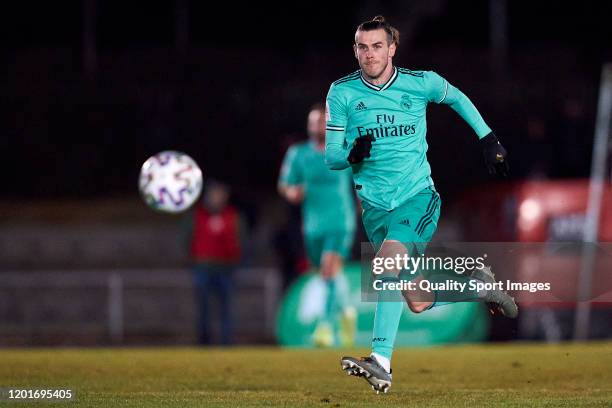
<point x="413" y="222"/>
<point x="339" y="242"/>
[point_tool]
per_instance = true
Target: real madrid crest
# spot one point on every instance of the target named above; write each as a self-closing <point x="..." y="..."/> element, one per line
<point x="406" y="102"/>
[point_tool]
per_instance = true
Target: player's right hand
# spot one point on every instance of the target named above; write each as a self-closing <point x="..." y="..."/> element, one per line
<point x="361" y="149"/>
<point x="294" y="194"/>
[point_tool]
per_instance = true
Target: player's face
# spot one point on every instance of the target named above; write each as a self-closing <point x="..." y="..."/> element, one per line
<point x="316" y="125"/>
<point x="373" y="52"/>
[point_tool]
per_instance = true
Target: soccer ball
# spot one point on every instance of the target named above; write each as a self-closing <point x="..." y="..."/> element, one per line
<point x="170" y="181"/>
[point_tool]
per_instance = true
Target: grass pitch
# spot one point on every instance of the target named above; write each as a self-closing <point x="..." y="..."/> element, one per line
<point x="507" y="375"/>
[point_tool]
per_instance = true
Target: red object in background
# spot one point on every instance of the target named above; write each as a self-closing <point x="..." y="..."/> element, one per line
<point x="302" y="265"/>
<point x="539" y="202"/>
<point x="524" y="211"/>
<point x="216" y="236"/>
<point x="539" y="211"/>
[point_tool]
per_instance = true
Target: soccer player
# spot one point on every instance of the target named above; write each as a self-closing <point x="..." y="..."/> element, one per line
<point x="328" y="214"/>
<point x="376" y="125"/>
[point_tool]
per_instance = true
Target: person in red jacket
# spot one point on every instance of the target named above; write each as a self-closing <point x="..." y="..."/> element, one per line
<point x="215" y="252"/>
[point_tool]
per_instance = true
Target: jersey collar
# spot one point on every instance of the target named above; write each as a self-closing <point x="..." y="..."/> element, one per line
<point x="380" y="87"/>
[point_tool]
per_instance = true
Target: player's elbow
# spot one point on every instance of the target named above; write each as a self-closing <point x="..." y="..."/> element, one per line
<point x="331" y="164"/>
<point x="454" y="97"/>
<point x="335" y="163"/>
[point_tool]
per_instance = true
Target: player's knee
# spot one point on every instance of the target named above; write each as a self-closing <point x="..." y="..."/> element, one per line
<point x="330" y="265"/>
<point x="387" y="256"/>
<point x="418" y="307"/>
<point x="327" y="272"/>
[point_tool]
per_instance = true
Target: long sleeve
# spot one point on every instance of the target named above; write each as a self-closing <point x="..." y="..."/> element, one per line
<point x="336" y="151"/>
<point x="290" y="173"/>
<point x="440" y="91"/>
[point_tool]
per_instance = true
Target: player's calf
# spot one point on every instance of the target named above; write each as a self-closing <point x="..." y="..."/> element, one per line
<point x="418" y="300"/>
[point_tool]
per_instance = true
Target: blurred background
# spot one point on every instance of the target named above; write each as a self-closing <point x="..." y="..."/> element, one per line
<point x="91" y="89"/>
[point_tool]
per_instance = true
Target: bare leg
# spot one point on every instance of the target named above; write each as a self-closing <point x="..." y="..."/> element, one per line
<point x="417" y="300"/>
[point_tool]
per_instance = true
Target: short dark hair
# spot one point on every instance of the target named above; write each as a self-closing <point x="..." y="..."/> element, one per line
<point x="379" y="22"/>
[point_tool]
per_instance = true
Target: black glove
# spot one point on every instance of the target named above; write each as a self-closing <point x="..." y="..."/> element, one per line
<point x="496" y="157"/>
<point x="361" y="149"/>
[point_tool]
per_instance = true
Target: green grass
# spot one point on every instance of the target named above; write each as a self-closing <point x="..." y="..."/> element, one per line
<point x="568" y="375"/>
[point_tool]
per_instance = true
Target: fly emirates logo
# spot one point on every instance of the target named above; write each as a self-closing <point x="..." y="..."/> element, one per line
<point x="386" y="127"/>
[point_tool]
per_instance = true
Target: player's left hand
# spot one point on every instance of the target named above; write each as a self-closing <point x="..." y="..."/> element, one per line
<point x="496" y="157"/>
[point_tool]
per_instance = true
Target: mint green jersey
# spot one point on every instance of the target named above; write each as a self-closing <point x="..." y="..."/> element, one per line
<point x="395" y="114"/>
<point x="329" y="204"/>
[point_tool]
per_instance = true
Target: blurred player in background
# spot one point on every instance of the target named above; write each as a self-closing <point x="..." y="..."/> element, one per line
<point x="328" y="214"/>
<point x="376" y="125"/>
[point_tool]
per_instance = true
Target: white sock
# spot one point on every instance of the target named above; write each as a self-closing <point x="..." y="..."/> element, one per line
<point x="383" y="361"/>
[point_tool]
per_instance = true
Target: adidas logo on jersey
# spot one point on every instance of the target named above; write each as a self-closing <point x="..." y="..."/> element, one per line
<point x="360" y="106"/>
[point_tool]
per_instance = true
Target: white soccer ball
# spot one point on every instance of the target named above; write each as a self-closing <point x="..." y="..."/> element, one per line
<point x="170" y="181"/>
